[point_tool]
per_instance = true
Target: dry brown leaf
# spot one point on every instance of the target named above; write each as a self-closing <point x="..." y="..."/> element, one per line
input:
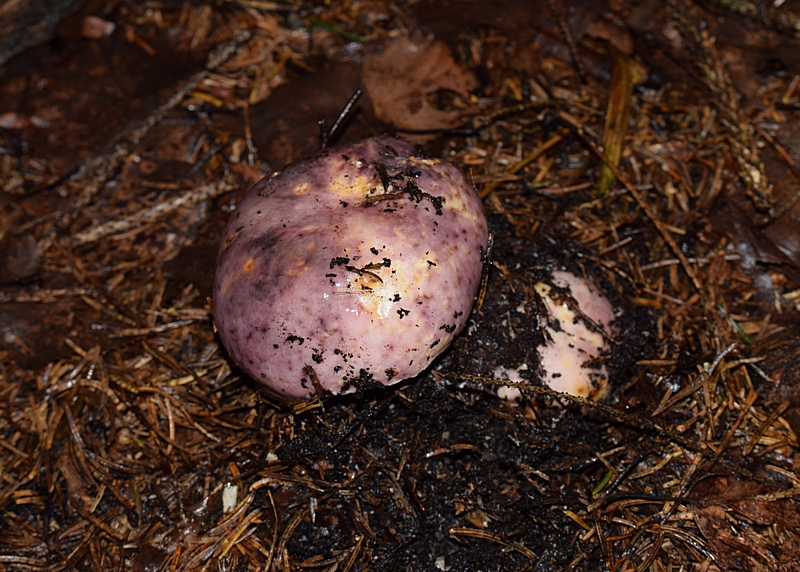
<point x="713" y="523"/>
<point x="416" y="84"/>
<point x="727" y="521"/>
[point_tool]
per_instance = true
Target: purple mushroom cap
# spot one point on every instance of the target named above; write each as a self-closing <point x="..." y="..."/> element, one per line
<point x="361" y="263"/>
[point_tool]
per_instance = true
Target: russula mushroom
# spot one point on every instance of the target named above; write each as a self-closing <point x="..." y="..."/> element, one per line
<point x="578" y="328"/>
<point x="359" y="264"/>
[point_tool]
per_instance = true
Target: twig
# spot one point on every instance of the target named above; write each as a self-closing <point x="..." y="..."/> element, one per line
<point x="153" y="213"/>
<point x="100" y="169"/>
<point x="329" y="136"/>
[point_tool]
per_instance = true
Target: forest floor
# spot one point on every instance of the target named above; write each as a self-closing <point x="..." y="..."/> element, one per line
<point x="652" y="147"/>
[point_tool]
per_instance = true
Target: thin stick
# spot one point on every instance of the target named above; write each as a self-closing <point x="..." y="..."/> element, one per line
<point x="347" y="110"/>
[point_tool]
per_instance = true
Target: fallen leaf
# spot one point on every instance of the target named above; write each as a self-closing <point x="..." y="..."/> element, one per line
<point x="721" y="536"/>
<point x="415" y="84"/>
<point x="730" y="510"/>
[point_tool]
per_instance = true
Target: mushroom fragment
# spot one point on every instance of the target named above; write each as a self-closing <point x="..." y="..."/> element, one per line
<point x="577" y="333"/>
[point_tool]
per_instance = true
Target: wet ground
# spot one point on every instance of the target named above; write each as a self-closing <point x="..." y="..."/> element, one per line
<point x="128" y="136"/>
